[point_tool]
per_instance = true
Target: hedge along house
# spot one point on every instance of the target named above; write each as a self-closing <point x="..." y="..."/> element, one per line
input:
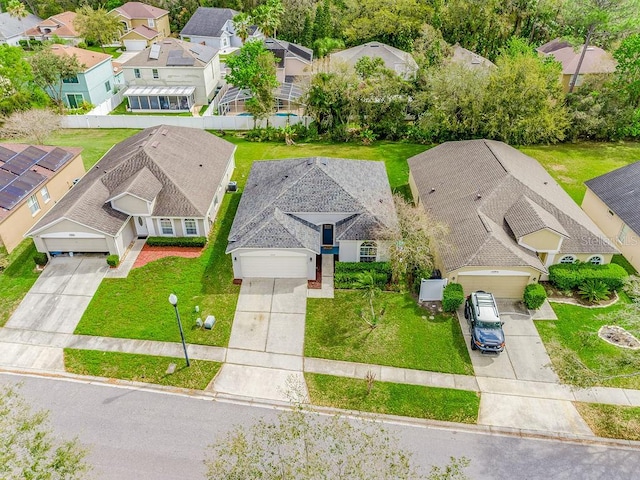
<point x="164" y="181"/>
<point x="293" y="210"/>
<point x="508" y="219"/>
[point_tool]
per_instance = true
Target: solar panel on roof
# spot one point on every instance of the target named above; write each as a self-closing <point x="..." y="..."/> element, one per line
<point x="19" y="164"/>
<point x="33" y="153"/>
<point x="7" y="200"/>
<point x="19" y="188"/>
<point x="55" y="159"/>
<point x="6" y="178"/>
<point x="6" y="154"/>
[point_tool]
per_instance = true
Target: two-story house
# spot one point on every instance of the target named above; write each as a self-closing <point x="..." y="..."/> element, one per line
<point x="172" y="76"/>
<point x="214" y="27"/>
<point x="12" y="29"/>
<point x="56" y="26"/>
<point x="142" y="25"/>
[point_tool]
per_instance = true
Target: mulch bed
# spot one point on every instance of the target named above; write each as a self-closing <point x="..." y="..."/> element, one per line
<point x="150" y="254"/>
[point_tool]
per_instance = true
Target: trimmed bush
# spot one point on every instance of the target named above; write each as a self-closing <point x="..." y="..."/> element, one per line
<point x="176" y="241"/>
<point x="569" y="276"/>
<point x="452" y="297"/>
<point x="346" y="273"/>
<point x="593" y="291"/>
<point x="534" y="296"/>
<point x="40" y="258"/>
<point x="113" y="260"/>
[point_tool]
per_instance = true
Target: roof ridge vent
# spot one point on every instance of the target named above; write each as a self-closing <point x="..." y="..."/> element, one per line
<point x="311" y="161"/>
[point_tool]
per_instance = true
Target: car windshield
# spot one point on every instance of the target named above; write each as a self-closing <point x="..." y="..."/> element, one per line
<point x="488" y="324"/>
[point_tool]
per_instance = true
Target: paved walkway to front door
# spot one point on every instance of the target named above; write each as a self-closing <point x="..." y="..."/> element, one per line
<point x="265" y="354"/>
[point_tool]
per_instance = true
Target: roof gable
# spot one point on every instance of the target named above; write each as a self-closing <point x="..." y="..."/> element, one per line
<point x="525" y="217"/>
<point x="140" y="10"/>
<point x="174" y="53"/>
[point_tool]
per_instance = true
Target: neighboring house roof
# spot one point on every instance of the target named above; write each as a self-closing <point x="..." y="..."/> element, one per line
<point x="140" y="10"/>
<point x="143" y="31"/>
<point x="188" y="163"/>
<point x="395" y="59"/>
<point x="87" y="58"/>
<point x="208" y="22"/>
<point x="469" y="59"/>
<point x="64" y="23"/>
<point x="620" y="192"/>
<point x="490" y="194"/>
<point x="277" y="191"/>
<point x="174" y="53"/>
<point x="596" y="60"/>
<point x="25" y="168"/>
<point x="282" y="50"/>
<point x="12" y="26"/>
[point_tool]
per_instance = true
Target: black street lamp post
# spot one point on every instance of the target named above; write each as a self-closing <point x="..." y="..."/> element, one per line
<point x="173" y="300"/>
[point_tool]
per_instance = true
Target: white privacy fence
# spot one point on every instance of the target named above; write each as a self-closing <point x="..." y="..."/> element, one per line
<point x="432" y="290"/>
<point x="108" y="105"/>
<point x="213" y="122"/>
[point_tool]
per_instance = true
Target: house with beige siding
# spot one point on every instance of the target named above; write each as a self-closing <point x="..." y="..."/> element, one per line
<point x="612" y="201"/>
<point x="142" y="24"/>
<point x="56" y="26"/>
<point x="163" y="181"/>
<point x="32" y="179"/>
<point x="508" y="219"/>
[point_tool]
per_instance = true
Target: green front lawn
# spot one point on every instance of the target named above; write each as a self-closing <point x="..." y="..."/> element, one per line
<point x="405" y="337"/>
<point x="611" y="421"/>
<point x="579" y="356"/>
<point x="444" y="404"/>
<point x="138" y="306"/>
<point x="571" y="164"/>
<point x="115" y="52"/>
<point x="17" y="277"/>
<point x="141" y="368"/>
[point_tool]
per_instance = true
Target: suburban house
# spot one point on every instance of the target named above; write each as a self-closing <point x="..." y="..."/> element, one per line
<point x="142" y="24"/>
<point x="12" y="28"/>
<point x="469" y="59"/>
<point x="163" y="181"/>
<point x="60" y="26"/>
<point x="508" y="219"/>
<point x="293" y="61"/>
<point x="214" y="27"/>
<point x="394" y="59"/>
<point x="293" y="210"/>
<point x="94" y="84"/>
<point x="612" y="201"/>
<point x="32" y="179"/>
<point x="595" y="61"/>
<point x="172" y="75"/>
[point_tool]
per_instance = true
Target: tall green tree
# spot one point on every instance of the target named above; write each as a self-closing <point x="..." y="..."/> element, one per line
<point x="329" y="100"/>
<point x="16" y="9"/>
<point x="19" y="92"/>
<point x="322" y="21"/>
<point x="97" y="25"/>
<point x="628" y="69"/>
<point x="50" y="69"/>
<point x="297" y="13"/>
<point x="268" y="16"/>
<point x="242" y="23"/>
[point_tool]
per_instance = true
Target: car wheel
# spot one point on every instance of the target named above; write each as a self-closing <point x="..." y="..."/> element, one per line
<point x="473" y="345"/>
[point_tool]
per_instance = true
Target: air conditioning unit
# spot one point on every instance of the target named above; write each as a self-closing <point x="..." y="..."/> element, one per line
<point x="232" y="187"/>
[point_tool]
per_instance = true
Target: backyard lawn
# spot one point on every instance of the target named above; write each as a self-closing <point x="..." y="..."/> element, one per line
<point x="141" y="368"/>
<point x="443" y="404"/>
<point x="405" y="337"/>
<point x="17" y="277"/>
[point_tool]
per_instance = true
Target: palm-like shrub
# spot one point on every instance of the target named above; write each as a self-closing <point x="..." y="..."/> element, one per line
<point x="593" y="291"/>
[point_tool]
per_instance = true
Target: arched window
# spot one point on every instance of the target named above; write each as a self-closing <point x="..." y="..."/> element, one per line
<point x="568" y="259"/>
<point x="595" y="260"/>
<point x="368" y="251"/>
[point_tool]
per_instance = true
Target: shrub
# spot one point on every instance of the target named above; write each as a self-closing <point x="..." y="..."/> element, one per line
<point x="176" y="241"/>
<point x="569" y="276"/>
<point x="534" y="296"/>
<point x="346" y="273"/>
<point x="452" y="297"/>
<point x="40" y="258"/>
<point x="593" y="290"/>
<point x="113" y="260"/>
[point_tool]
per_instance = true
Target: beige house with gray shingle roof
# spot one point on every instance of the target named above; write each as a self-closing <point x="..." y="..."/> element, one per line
<point x="508" y="219"/>
<point x="163" y="181"/>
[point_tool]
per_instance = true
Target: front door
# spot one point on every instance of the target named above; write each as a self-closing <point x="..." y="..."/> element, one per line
<point x="327" y="234"/>
<point x="141" y="227"/>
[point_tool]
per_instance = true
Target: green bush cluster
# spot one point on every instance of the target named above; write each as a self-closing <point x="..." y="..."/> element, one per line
<point x="40" y="258"/>
<point x="452" y="297"/>
<point x="346" y="273"/>
<point x="113" y="260"/>
<point x="569" y="276"/>
<point x="534" y="296"/>
<point x="176" y="241"/>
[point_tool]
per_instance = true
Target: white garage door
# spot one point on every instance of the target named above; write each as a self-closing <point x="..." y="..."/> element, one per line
<point x="502" y="286"/>
<point x="135" y="45"/>
<point x="76" y="244"/>
<point x="274" y="264"/>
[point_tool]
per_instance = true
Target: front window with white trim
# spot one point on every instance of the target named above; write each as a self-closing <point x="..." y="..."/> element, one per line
<point x="166" y="226"/>
<point x="190" y="227"/>
<point x="368" y="251"/>
<point x="33" y="204"/>
<point x="45" y="194"/>
<point x="595" y="260"/>
<point x="568" y="259"/>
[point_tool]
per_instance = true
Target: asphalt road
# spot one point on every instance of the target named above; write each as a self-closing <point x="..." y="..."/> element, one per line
<point x="137" y="434"/>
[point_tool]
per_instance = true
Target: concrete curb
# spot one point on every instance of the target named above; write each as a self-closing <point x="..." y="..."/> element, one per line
<point x="385" y="418"/>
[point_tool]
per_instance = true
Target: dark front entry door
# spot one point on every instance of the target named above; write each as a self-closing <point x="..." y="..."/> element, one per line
<point x="327" y="234"/>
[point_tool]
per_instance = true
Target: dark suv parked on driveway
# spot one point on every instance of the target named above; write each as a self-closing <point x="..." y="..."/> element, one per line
<point x="485" y="326"/>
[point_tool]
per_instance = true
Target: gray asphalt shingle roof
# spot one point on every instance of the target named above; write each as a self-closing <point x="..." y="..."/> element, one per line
<point x="172" y="49"/>
<point x="484" y="189"/>
<point x="208" y="22"/>
<point x="620" y="191"/>
<point x="12" y="26"/>
<point x="189" y="164"/>
<point x="277" y="191"/>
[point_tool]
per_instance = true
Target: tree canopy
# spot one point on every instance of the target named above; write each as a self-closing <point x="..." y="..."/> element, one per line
<point x="97" y="25"/>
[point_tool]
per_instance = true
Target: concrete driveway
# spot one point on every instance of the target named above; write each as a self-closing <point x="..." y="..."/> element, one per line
<point x="264" y="358"/>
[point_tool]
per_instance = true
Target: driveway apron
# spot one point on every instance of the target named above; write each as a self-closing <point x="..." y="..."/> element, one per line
<point x="264" y="358"/>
